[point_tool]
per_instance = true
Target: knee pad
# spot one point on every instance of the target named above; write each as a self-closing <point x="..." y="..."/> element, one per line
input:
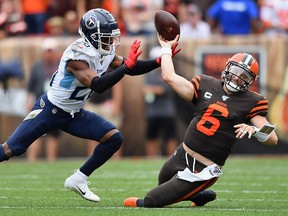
<point x="112" y="144"/>
<point x="102" y="153"/>
<point x="18" y="152"/>
<point x="115" y="141"/>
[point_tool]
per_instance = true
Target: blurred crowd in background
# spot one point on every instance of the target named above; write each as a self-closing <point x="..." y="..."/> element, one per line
<point x="136" y="17"/>
<point x="199" y="19"/>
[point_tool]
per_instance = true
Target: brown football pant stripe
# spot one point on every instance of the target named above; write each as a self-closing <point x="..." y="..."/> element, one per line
<point x="205" y="185"/>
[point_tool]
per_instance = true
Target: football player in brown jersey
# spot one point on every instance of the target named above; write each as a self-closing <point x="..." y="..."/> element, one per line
<point x="225" y="110"/>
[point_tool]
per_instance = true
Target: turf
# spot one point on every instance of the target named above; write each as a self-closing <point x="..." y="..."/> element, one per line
<point x="249" y="186"/>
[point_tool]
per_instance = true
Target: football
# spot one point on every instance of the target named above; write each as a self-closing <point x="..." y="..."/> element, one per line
<point x="166" y="25"/>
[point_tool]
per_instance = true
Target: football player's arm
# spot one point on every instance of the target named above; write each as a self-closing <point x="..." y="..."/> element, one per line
<point x="258" y="122"/>
<point x="81" y="71"/>
<point x="89" y="77"/>
<point x="141" y="66"/>
<point x="179" y="84"/>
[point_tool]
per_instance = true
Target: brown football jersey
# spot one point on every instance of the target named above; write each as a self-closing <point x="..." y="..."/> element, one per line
<point x="211" y="132"/>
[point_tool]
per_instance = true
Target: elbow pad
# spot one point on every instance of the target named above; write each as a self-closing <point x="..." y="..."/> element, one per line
<point x="107" y="80"/>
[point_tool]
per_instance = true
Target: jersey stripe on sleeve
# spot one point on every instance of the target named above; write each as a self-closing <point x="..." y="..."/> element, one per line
<point x="261" y="108"/>
<point x="196" y="83"/>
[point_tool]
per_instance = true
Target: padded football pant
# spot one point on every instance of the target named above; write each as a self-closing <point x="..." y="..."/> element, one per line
<point x="170" y="189"/>
<point x="84" y="124"/>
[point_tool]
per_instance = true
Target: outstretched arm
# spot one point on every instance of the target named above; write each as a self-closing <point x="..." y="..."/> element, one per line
<point x="87" y="77"/>
<point x="145" y="66"/>
<point x="179" y="84"/>
<point x="257" y="123"/>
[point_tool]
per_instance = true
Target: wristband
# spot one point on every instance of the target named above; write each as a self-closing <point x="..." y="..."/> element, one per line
<point x="255" y="129"/>
<point x="264" y="133"/>
<point x="166" y="50"/>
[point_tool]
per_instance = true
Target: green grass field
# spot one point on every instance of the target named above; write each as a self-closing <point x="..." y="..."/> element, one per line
<point x="248" y="186"/>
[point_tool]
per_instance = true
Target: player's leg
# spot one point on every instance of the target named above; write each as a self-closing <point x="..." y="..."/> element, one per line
<point x="203" y="197"/>
<point x="17" y="144"/>
<point x="167" y="172"/>
<point x="25" y="134"/>
<point x="175" y="162"/>
<point x="91" y="126"/>
<point x="171" y="189"/>
<point x="43" y="118"/>
<point x="5" y="152"/>
<point x="91" y="144"/>
<point x="179" y="161"/>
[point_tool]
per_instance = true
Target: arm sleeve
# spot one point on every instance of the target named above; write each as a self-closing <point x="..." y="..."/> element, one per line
<point x="142" y="67"/>
<point x="107" y="80"/>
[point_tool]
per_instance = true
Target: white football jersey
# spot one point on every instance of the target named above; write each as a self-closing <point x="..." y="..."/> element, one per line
<point x="66" y="92"/>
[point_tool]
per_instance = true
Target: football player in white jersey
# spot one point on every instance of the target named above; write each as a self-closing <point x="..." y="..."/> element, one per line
<point x="82" y="71"/>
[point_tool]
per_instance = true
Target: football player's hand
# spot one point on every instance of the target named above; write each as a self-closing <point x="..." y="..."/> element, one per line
<point x="243" y="129"/>
<point x="175" y="51"/>
<point x="164" y="42"/>
<point x="133" y="54"/>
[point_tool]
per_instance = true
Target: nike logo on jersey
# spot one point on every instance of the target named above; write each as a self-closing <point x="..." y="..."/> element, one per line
<point x="224" y="97"/>
<point x="82" y="192"/>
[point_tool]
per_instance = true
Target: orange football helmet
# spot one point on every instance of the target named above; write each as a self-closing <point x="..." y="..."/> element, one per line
<point x="240" y="72"/>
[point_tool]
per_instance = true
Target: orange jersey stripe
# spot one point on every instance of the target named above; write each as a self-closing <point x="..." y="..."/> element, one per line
<point x="257" y="113"/>
<point x="259" y="108"/>
<point x="195" y="93"/>
<point x="195" y="81"/>
<point x="263" y="101"/>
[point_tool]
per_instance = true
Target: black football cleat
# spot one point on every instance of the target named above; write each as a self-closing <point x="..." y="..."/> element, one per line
<point x="203" y="197"/>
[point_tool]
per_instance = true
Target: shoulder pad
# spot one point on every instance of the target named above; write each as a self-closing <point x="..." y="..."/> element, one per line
<point x="82" y="47"/>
